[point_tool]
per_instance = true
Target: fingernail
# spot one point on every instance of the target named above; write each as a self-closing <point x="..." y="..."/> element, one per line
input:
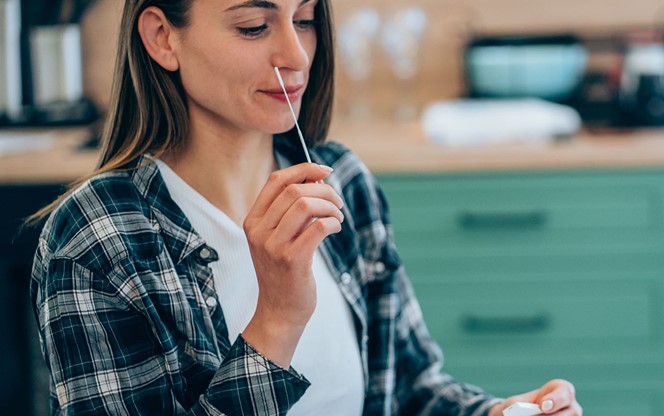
<point x="547" y="405"/>
<point x="326" y="168"/>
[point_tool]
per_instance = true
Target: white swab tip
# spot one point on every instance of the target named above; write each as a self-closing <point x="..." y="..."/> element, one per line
<point x="281" y="81"/>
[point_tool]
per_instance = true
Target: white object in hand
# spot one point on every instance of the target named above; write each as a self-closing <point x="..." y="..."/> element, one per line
<point x="522" y="409"/>
<point x="299" y="132"/>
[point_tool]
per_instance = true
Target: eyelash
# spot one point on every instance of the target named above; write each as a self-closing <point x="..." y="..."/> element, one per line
<point x="252" y="32"/>
<point x="256" y="31"/>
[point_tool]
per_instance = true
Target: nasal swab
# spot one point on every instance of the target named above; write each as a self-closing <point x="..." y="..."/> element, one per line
<point x="297" y="126"/>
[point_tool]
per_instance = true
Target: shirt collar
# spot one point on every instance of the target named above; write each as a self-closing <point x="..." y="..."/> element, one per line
<point x="179" y="235"/>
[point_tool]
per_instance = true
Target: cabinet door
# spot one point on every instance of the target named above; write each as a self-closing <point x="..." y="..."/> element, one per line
<point x="532" y="276"/>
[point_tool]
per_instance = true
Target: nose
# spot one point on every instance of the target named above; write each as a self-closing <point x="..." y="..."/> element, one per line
<point x="290" y="50"/>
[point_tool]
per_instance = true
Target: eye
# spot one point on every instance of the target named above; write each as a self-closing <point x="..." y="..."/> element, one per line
<point x="305" y="23"/>
<point x="252" y="32"/>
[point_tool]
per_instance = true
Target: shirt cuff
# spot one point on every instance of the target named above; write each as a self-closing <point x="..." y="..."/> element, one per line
<point x="249" y="380"/>
<point x="269" y="364"/>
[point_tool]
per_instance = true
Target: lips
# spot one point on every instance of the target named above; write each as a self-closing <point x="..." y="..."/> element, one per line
<point x="294" y="93"/>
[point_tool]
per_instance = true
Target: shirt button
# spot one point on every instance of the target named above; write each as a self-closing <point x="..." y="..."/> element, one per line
<point x="379" y="267"/>
<point x="204" y="253"/>
<point x="211" y="302"/>
<point x="345" y="278"/>
<point x="156" y="227"/>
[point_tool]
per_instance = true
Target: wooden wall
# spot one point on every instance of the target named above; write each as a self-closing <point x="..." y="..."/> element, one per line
<point x="99" y="37"/>
<point x="451" y="22"/>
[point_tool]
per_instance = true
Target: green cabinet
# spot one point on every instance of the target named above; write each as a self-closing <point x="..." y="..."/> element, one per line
<point x="527" y="276"/>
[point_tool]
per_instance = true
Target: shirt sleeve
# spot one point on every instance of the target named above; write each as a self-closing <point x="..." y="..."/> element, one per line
<point x="109" y="355"/>
<point x="422" y="387"/>
<point x="250" y="384"/>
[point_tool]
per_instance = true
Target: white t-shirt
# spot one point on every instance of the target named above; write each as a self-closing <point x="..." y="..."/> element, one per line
<point x="328" y="353"/>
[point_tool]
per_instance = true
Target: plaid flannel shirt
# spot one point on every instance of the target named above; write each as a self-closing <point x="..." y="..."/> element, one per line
<point x="130" y="323"/>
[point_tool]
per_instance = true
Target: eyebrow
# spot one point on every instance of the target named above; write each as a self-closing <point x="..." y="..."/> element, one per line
<point x="262" y="4"/>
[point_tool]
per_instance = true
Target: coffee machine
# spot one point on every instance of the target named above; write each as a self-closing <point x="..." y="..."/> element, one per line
<point x="41" y="71"/>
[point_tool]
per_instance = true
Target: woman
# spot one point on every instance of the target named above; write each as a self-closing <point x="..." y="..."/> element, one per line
<point x="203" y="269"/>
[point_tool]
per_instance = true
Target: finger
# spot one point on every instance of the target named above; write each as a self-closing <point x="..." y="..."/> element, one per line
<point x="292" y="195"/>
<point x="280" y="179"/>
<point x="315" y="233"/>
<point x="301" y="215"/>
<point x="560" y="397"/>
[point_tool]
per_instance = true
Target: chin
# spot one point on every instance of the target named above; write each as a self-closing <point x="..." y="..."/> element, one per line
<point x="282" y="127"/>
<point x="271" y="123"/>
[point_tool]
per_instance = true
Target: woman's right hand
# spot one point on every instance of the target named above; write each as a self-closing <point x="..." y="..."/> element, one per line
<point x="292" y="215"/>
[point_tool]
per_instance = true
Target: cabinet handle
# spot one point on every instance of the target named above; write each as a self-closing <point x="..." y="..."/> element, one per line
<point x="529" y="324"/>
<point x="475" y="220"/>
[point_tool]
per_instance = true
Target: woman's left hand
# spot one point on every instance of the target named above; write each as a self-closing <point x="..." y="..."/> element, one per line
<point x="557" y="397"/>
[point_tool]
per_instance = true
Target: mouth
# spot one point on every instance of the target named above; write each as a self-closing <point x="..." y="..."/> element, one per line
<point x="294" y="92"/>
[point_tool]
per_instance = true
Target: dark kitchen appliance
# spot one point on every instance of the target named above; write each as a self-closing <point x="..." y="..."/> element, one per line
<point x="624" y="87"/>
<point x="641" y="93"/>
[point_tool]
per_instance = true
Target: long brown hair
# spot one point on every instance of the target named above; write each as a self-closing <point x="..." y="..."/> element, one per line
<point x="148" y="109"/>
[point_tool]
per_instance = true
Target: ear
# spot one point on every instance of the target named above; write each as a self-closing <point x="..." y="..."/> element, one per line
<point x="157" y="35"/>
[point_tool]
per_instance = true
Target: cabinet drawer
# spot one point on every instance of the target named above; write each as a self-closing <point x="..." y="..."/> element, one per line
<point x="521" y="212"/>
<point x="556" y="319"/>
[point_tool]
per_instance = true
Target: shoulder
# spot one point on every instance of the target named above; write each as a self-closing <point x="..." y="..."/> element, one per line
<point x="350" y="172"/>
<point x="337" y="155"/>
<point x="103" y="220"/>
<point x="355" y="182"/>
<point x="365" y="209"/>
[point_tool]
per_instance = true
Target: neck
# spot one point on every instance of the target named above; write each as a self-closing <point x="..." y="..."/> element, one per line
<point x="228" y="168"/>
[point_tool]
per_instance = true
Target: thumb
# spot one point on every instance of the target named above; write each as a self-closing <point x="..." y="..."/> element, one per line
<point x="556" y="395"/>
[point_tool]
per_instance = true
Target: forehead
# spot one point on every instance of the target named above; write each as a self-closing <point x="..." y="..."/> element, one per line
<point x="230" y="5"/>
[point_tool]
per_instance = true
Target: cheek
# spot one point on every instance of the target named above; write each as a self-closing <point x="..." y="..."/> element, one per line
<point x="310" y="46"/>
<point x="217" y="72"/>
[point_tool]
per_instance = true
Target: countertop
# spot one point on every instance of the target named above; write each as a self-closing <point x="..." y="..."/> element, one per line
<point x="385" y="147"/>
<point x="63" y="162"/>
<point x="405" y="148"/>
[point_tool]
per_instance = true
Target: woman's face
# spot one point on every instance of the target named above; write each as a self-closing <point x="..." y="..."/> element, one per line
<point x="227" y="55"/>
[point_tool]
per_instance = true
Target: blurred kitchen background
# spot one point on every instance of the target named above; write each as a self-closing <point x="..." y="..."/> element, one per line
<point x="530" y="133"/>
